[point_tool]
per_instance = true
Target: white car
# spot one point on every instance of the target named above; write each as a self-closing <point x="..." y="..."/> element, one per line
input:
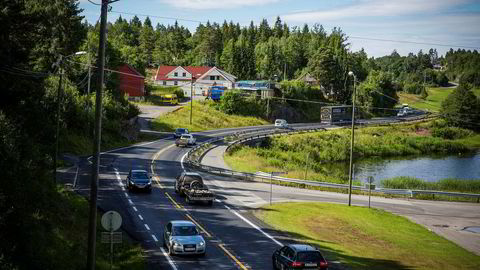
<point x="185" y="140"/>
<point x="280" y="123"/>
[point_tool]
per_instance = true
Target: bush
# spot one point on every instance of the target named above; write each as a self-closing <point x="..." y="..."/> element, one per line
<point x="451" y="133"/>
<point x="179" y="93"/>
<point x="413" y="88"/>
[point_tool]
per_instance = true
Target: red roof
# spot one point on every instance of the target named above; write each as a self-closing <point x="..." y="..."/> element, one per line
<point x="195" y="71"/>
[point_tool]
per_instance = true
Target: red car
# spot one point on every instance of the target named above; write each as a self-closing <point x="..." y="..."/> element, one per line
<point x="298" y="256"/>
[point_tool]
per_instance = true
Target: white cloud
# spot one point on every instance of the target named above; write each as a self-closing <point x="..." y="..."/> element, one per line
<point x="215" y="4"/>
<point x="375" y="8"/>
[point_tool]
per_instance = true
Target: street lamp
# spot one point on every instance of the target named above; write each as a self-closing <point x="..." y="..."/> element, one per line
<point x="59" y="64"/>
<point x="350" y="73"/>
<point x="191" y="95"/>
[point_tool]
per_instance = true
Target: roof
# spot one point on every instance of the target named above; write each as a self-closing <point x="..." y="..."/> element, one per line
<point x="162" y="71"/>
<point x="197" y="71"/>
<point x="300" y="247"/>
<point x="138" y="171"/>
<point x="182" y="223"/>
<point x="191" y="173"/>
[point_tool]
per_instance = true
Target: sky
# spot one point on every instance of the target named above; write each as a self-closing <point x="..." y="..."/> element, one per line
<point x="368" y="23"/>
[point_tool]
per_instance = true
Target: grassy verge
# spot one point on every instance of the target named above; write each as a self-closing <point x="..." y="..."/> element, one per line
<point x="365" y="238"/>
<point x="71" y="239"/>
<point x="453" y="185"/>
<point x="204" y="118"/>
<point x="433" y="102"/>
<point x="323" y="155"/>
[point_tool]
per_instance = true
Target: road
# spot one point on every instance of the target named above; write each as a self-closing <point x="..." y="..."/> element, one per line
<point x="235" y="239"/>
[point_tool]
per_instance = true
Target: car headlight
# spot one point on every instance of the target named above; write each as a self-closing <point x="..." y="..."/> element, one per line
<point x="201" y="244"/>
<point x="176" y="244"/>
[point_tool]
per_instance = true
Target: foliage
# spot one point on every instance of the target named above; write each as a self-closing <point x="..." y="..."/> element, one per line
<point x="451" y="133"/>
<point x="463" y="65"/>
<point x="235" y="102"/>
<point x="378" y="91"/>
<point x="448" y="184"/>
<point x="413" y="88"/>
<point x="462" y="109"/>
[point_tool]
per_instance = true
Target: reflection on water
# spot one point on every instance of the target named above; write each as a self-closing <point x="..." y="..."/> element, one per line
<point x="427" y="168"/>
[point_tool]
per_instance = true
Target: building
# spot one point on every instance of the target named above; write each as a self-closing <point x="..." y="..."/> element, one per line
<point x="264" y="89"/>
<point x="308" y="79"/>
<point x="131" y="82"/>
<point x="203" y="77"/>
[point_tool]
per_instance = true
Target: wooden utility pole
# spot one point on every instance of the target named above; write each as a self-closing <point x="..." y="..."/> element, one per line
<point x="350" y="180"/>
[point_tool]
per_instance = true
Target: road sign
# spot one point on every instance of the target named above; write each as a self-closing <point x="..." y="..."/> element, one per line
<point x="111" y="221"/>
<point x="111" y="237"/>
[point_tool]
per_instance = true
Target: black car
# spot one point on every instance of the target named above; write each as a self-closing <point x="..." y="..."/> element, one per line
<point x="298" y="257"/>
<point x="179" y="132"/>
<point x="139" y="180"/>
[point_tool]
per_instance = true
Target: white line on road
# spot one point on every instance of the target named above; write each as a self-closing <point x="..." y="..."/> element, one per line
<point x="130" y="201"/>
<point x="253" y="225"/>
<point x="169" y="259"/>
<point x="123" y="189"/>
<point x="154" y="238"/>
<point x="146" y="226"/>
<point x="126" y="194"/>
<point x="181" y="162"/>
<point x="134" y="208"/>
<point x="140" y="216"/>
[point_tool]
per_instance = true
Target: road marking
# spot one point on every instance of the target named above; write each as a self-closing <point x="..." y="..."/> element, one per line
<point x="130" y="201"/>
<point x="146" y="226"/>
<point x="182" y="160"/>
<point x="253" y="225"/>
<point x="198" y="225"/>
<point x="168" y="259"/>
<point x="157" y="179"/>
<point x="173" y="201"/>
<point x="140" y="216"/>
<point x="154" y="238"/>
<point x="75" y="180"/>
<point x="134" y="208"/>
<point x="123" y="189"/>
<point x="233" y="257"/>
<point x="126" y="194"/>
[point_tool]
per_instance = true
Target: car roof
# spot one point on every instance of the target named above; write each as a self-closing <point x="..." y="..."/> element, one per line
<point x="138" y="171"/>
<point x="182" y="223"/>
<point x="300" y="247"/>
<point x="191" y="173"/>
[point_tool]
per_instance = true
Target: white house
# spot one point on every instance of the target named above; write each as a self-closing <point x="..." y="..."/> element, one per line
<point x="204" y="77"/>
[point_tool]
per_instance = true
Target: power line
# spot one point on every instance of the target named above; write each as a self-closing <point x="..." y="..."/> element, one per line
<point x="414" y="42"/>
<point x="94" y="3"/>
<point x="155" y="16"/>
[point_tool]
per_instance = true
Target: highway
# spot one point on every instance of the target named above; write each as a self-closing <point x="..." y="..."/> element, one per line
<point x="235" y="239"/>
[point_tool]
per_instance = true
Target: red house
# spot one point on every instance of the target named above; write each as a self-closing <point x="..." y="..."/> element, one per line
<point x="131" y="82"/>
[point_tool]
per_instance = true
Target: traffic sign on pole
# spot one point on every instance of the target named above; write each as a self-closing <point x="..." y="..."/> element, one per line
<point x="111" y="221"/>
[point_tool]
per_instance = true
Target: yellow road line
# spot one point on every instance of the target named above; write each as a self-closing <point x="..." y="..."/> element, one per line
<point x="198" y="225"/>
<point x="233" y="257"/>
<point x="173" y="201"/>
<point x="157" y="179"/>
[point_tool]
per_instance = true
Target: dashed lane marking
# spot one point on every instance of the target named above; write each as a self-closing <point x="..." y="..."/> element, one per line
<point x="198" y="225"/>
<point x="146" y="226"/>
<point x="130" y="201"/>
<point x="135" y="209"/>
<point x="154" y="238"/>
<point x="140" y="217"/>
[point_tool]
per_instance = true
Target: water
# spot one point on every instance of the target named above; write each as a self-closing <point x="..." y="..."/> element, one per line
<point x="429" y="169"/>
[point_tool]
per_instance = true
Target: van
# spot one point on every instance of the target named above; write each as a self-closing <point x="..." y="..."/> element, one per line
<point x="280" y="123"/>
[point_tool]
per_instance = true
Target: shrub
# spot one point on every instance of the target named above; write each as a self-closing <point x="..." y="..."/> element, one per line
<point x="413" y="88"/>
<point x="179" y="93"/>
<point x="451" y="133"/>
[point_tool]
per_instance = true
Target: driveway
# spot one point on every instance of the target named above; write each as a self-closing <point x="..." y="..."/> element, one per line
<point x="150" y="112"/>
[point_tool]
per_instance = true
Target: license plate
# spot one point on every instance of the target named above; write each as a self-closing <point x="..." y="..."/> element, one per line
<point x="310" y="264"/>
<point x="189" y="249"/>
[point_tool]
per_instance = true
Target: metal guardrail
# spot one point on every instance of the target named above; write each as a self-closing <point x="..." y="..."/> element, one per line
<point x="265" y="177"/>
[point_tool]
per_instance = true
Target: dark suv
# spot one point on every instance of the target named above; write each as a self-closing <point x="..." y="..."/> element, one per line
<point x="298" y="257"/>
<point x="179" y="132"/>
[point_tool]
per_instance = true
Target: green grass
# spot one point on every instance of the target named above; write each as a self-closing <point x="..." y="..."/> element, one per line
<point x="454" y="185"/>
<point x="71" y="231"/>
<point x="363" y="238"/>
<point x="433" y="102"/>
<point x="204" y="118"/>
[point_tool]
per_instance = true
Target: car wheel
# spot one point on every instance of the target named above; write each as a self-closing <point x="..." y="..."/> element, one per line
<point x="210" y="203"/>
<point x="274" y="264"/>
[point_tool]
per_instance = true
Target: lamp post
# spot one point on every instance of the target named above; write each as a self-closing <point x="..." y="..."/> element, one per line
<point x="352" y="141"/>
<point x="59" y="64"/>
<point x="191" y="96"/>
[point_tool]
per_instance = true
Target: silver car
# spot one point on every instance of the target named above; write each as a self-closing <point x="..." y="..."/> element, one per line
<point x="182" y="237"/>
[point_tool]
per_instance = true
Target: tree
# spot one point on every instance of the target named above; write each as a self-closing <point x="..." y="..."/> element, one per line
<point x="378" y="91"/>
<point x="462" y="108"/>
<point x="325" y="67"/>
<point x="147" y="41"/>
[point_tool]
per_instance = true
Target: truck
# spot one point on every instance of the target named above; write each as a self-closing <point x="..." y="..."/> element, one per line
<point x="216" y="92"/>
<point x="191" y="186"/>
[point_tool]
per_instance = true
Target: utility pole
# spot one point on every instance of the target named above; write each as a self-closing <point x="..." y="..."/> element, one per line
<point x="92" y="222"/>
<point x="57" y="131"/>
<point x="352" y="141"/>
<point x="306" y="166"/>
<point x="285" y="72"/>
<point x="191" y="99"/>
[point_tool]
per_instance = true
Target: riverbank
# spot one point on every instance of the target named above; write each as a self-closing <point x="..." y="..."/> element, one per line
<point x="364" y="238"/>
<point x="323" y="156"/>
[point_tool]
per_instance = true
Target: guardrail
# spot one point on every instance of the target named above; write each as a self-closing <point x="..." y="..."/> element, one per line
<point x="195" y="163"/>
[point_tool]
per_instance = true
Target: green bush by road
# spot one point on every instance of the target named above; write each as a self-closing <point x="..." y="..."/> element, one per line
<point x="363" y="238"/>
<point x="205" y="117"/>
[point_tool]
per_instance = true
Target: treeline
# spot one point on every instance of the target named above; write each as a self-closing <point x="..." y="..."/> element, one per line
<point x="463" y="66"/>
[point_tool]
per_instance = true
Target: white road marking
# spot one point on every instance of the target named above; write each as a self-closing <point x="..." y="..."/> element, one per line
<point x="130" y="201"/>
<point x="146" y="226"/>
<point x="168" y="259"/>
<point x="140" y="216"/>
<point x="126" y="194"/>
<point x="253" y="225"/>
<point x="183" y="159"/>
<point x="123" y="189"/>
<point x="135" y="209"/>
<point x="154" y="238"/>
<point x="75" y="180"/>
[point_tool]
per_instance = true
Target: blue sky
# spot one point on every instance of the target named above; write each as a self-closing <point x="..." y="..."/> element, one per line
<point x="449" y="22"/>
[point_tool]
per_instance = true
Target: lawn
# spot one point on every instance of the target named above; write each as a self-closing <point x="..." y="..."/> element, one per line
<point x="363" y="238"/>
<point x="205" y="117"/>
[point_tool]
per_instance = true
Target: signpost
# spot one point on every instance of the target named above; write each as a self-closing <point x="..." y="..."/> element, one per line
<point x="111" y="221"/>
<point x="271" y="182"/>
<point x="370" y="180"/>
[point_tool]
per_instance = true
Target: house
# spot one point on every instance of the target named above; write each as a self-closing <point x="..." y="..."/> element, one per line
<point x="264" y="89"/>
<point x="308" y="79"/>
<point x="203" y="77"/>
<point x="132" y="82"/>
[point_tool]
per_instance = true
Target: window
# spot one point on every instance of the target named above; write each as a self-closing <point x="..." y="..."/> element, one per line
<point x="184" y="74"/>
<point x="175" y="83"/>
<point x="212" y="78"/>
<point x="218" y="78"/>
<point x="164" y="82"/>
<point x="175" y="74"/>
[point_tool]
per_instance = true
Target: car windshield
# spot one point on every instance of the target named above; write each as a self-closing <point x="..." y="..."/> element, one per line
<point x="185" y="137"/>
<point x="184" y="230"/>
<point x="191" y="178"/>
<point x="309" y="256"/>
<point x="139" y="175"/>
<point x="181" y="130"/>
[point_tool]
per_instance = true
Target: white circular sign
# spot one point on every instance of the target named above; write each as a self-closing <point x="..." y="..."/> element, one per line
<point x="111" y="221"/>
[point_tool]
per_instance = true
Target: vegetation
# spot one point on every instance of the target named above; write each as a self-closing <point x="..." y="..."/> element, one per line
<point x="323" y="154"/>
<point x="432" y="103"/>
<point x="462" y="108"/>
<point x="205" y="117"/>
<point x="454" y="185"/>
<point x="364" y="238"/>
